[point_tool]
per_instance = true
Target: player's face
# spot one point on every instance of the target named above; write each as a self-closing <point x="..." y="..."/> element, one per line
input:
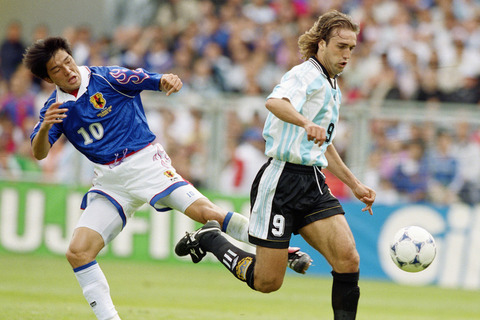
<point x="63" y="71"/>
<point x="335" y="55"/>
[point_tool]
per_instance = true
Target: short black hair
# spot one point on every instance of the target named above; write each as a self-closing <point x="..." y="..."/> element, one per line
<point x="38" y="54"/>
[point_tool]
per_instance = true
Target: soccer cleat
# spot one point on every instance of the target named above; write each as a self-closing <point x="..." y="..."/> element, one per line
<point x="190" y="243"/>
<point x="298" y="261"/>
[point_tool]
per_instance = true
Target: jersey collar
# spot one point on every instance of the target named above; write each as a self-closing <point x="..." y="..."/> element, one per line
<point x="321" y="68"/>
<point x="85" y="74"/>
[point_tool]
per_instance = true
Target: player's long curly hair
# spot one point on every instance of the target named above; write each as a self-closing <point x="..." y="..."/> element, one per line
<point x="323" y="30"/>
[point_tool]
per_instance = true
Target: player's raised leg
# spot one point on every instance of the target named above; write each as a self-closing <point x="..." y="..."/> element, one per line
<point x="263" y="272"/>
<point x="232" y="223"/>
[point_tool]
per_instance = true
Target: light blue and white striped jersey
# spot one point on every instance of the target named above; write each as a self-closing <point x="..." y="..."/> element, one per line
<point x="308" y="89"/>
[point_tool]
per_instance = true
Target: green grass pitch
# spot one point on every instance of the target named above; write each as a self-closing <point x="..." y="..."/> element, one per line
<point x="36" y="287"/>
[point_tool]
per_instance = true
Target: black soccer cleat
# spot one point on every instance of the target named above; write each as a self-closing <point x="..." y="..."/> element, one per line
<point x="298" y="261"/>
<point x="190" y="243"/>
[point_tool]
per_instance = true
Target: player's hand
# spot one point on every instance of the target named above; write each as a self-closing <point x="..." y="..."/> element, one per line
<point x="366" y="195"/>
<point x="54" y="114"/>
<point x="315" y="133"/>
<point x="170" y="83"/>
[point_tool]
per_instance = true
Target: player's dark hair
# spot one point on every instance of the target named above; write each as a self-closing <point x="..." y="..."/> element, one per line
<point x="323" y="29"/>
<point x="38" y="54"/>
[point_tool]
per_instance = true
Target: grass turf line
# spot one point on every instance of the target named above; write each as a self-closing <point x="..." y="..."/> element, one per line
<point x="36" y="287"/>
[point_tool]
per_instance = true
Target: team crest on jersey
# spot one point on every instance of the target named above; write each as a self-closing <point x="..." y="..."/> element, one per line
<point x="98" y="101"/>
<point x="242" y="268"/>
<point x="169" y="174"/>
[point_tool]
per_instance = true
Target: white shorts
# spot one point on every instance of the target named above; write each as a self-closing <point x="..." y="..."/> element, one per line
<point x="146" y="176"/>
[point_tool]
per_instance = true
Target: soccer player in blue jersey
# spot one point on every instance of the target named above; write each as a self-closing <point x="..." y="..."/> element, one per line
<point x="100" y="112"/>
<point x="290" y="194"/>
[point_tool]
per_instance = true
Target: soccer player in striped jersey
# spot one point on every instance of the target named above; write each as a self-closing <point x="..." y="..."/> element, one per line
<point x="290" y="194"/>
<point x="100" y="112"/>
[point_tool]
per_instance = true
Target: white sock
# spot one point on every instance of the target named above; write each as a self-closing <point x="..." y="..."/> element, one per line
<point x="96" y="290"/>
<point x="236" y="226"/>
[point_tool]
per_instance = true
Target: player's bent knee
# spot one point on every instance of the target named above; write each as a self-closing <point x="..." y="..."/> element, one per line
<point x="74" y="257"/>
<point x="267" y="286"/>
<point x="77" y="257"/>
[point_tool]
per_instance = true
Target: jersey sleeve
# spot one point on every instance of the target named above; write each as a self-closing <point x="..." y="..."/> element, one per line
<point x="55" y="131"/>
<point x="294" y="87"/>
<point x="130" y="81"/>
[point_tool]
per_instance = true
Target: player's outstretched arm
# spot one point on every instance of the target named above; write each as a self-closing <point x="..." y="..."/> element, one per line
<point x="341" y="171"/>
<point x="170" y="83"/>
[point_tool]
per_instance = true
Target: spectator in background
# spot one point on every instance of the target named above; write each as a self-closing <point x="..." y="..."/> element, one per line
<point x="467" y="153"/>
<point x="410" y="176"/>
<point x="265" y="73"/>
<point x="11" y="50"/>
<point x="82" y="45"/>
<point x="386" y="193"/>
<point x="128" y="13"/>
<point x="19" y="102"/>
<point x="9" y="168"/>
<point x="443" y="171"/>
<point x="41" y="31"/>
<point x="176" y="15"/>
<point x="382" y="84"/>
<point x="469" y="91"/>
<point x="219" y="62"/>
<point x="235" y="76"/>
<point x="259" y="11"/>
<point x="248" y="157"/>
<point x="158" y="58"/>
<point x="428" y="89"/>
<point x="203" y="80"/>
<point x="134" y="47"/>
<point x="7" y="133"/>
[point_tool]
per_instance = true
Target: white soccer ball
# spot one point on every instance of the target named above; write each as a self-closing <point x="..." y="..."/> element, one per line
<point x="413" y="249"/>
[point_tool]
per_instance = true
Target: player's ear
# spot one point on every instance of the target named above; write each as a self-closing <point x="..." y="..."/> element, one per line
<point x="322" y="44"/>
<point x="48" y="80"/>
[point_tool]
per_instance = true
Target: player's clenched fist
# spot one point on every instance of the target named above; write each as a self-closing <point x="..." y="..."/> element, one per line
<point x="170" y="83"/>
<point x="315" y="133"/>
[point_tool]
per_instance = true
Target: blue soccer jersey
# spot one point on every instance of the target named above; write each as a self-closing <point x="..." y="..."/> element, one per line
<point x="106" y="120"/>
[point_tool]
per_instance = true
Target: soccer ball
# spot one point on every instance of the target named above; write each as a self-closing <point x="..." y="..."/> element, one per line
<point x="413" y="249"/>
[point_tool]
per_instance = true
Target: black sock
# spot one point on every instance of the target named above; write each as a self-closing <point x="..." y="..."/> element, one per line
<point x="240" y="263"/>
<point x="345" y="295"/>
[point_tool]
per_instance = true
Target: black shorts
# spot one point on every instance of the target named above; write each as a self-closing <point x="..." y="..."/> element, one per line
<point x="286" y="197"/>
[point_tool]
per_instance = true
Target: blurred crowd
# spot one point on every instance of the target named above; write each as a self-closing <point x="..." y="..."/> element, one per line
<point x="409" y="50"/>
